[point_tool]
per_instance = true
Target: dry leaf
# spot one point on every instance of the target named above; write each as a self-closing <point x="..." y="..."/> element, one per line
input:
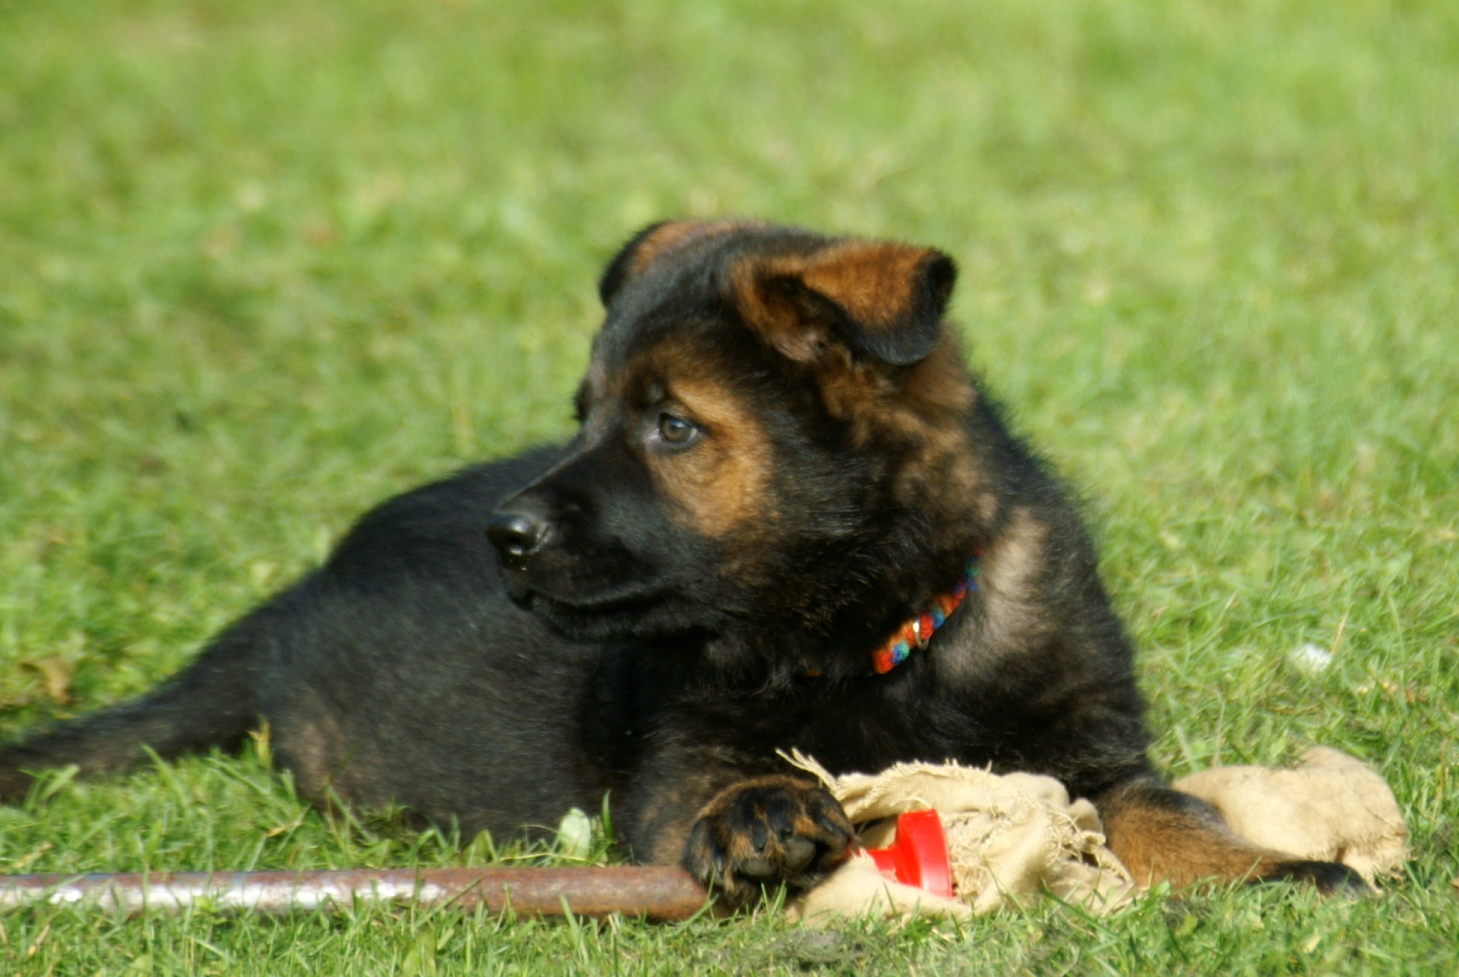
<point x="55" y="674"/>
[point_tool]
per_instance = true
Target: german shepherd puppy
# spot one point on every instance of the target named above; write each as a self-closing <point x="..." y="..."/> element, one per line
<point x="791" y="518"/>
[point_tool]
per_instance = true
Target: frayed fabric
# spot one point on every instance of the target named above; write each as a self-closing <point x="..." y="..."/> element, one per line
<point x="1015" y="836"/>
<point x="1010" y="838"/>
<point x="1331" y="807"/>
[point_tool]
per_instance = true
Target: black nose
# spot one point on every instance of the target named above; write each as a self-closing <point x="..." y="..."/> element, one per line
<point x="516" y="535"/>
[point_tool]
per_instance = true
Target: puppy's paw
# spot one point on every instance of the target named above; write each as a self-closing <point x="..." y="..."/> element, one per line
<point x="763" y="832"/>
<point x="1331" y="878"/>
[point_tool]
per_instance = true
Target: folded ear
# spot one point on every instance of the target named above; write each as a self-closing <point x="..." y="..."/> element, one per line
<point x="884" y="300"/>
<point x="645" y="247"/>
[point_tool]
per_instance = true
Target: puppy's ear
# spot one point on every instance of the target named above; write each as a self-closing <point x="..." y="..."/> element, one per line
<point x="649" y="244"/>
<point x="883" y="300"/>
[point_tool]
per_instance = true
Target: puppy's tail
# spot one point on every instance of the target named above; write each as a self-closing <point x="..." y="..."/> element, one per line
<point x="213" y="702"/>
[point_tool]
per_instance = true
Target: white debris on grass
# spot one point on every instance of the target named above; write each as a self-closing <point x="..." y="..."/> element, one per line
<point x="1311" y="658"/>
<point x="575" y="834"/>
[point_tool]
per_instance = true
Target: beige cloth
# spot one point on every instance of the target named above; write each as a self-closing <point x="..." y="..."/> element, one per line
<point x="1014" y="836"/>
<point x="1010" y="837"/>
<point x="1331" y="807"/>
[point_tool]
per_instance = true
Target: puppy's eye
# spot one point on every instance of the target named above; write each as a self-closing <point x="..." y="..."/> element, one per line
<point x="675" y="430"/>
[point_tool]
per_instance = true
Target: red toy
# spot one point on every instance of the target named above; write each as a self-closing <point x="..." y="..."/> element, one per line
<point x="918" y="856"/>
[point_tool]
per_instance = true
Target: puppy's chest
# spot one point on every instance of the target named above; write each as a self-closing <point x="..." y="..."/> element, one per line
<point x="637" y="714"/>
<point x="868" y="724"/>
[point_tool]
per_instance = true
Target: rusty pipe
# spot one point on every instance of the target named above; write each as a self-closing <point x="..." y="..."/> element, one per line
<point x="655" y="892"/>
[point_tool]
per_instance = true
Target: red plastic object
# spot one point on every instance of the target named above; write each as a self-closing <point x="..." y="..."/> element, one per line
<point x="918" y="856"/>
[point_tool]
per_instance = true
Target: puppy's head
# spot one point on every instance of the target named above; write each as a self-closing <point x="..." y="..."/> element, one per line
<point x="773" y="427"/>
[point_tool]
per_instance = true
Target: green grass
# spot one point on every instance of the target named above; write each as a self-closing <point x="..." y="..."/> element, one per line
<point x="265" y="263"/>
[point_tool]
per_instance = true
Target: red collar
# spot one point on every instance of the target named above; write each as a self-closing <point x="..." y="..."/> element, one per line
<point x="918" y="631"/>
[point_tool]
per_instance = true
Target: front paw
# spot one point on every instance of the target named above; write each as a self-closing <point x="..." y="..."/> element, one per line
<point x="766" y="831"/>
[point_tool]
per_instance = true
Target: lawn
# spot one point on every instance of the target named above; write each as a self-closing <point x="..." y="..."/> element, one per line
<point x="264" y="263"/>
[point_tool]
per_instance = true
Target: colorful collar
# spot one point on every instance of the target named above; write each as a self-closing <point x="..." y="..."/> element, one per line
<point x="918" y="631"/>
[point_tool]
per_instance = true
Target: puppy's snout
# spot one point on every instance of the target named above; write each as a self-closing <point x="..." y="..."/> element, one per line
<point x="517" y="534"/>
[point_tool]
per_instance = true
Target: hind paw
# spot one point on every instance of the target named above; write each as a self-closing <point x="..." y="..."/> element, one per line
<point x="764" y="832"/>
<point x="1331" y="878"/>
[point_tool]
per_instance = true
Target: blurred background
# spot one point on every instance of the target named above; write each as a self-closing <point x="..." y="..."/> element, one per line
<point x="263" y="263"/>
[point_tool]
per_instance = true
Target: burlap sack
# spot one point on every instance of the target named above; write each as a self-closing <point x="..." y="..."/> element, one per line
<point x="1014" y="836"/>
<point x="1331" y="807"/>
<point x="1010" y="838"/>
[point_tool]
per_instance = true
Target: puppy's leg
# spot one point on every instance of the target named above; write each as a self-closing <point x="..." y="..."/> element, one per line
<point x="1162" y="835"/>
<point x="738" y="834"/>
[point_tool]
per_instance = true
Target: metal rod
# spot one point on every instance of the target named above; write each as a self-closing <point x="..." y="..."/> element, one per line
<point x="651" y="891"/>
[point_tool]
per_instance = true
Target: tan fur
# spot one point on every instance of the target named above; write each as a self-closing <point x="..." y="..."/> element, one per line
<point x="919" y="410"/>
<point x="872" y="280"/>
<point x="716" y="805"/>
<point x="942" y="476"/>
<point x="1159" y="845"/>
<point x="669" y="846"/>
<point x="778" y="318"/>
<point x="669" y="842"/>
<point x="724" y="481"/>
<point x="1008" y="582"/>
<point x="1009" y="579"/>
<point x="674" y="828"/>
<point x="919" y="416"/>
